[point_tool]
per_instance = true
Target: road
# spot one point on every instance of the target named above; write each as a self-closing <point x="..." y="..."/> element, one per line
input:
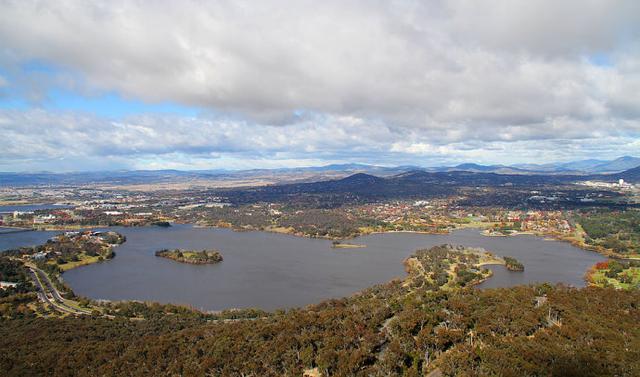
<point x="48" y="293"/>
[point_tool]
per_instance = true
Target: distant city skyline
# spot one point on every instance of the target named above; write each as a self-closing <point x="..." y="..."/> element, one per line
<point x="87" y="86"/>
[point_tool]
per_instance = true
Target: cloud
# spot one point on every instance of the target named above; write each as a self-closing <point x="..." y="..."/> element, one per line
<point x="54" y="140"/>
<point x="428" y="58"/>
<point x="390" y="77"/>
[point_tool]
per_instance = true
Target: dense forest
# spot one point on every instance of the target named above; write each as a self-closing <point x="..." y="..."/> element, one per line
<point x="510" y="332"/>
<point x="615" y="230"/>
<point x="408" y="327"/>
<point x="13" y="272"/>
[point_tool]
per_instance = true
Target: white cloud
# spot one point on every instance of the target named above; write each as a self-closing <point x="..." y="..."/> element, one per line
<point x="49" y="139"/>
<point x="406" y="77"/>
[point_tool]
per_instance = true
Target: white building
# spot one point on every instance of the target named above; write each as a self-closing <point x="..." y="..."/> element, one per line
<point x="43" y="219"/>
<point x="7" y="284"/>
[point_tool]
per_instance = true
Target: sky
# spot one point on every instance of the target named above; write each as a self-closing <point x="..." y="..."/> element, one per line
<point x="109" y="85"/>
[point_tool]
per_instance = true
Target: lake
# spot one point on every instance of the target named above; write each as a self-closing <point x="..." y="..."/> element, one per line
<point x="31" y="207"/>
<point x="9" y="239"/>
<point x="269" y="270"/>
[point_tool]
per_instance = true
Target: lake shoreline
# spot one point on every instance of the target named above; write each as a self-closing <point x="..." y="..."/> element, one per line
<point x="290" y="231"/>
<point x="256" y="258"/>
<point x="483" y="230"/>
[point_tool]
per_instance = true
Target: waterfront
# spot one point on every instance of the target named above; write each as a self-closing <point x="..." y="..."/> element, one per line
<point x="30" y="207"/>
<point x="10" y="239"/>
<point x="269" y="270"/>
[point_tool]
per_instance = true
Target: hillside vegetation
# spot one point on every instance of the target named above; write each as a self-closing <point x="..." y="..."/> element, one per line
<point x="191" y="257"/>
<point x="431" y="320"/>
<point x="618" y="231"/>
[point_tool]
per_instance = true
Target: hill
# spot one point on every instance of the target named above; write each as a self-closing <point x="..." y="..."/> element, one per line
<point x="589" y="166"/>
<point x="413" y="184"/>
<point x="631" y="175"/>
<point x="394" y="329"/>
<point x="254" y="177"/>
<point x="617" y="165"/>
<point x="194" y="177"/>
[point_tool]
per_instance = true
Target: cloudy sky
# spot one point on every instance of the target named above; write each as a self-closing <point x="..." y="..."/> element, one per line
<point x="98" y="85"/>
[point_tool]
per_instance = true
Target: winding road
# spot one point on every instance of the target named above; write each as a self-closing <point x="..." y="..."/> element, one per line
<point x="48" y="293"/>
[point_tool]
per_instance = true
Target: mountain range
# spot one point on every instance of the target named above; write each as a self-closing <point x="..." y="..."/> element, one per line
<point x="411" y="184"/>
<point x="584" y="168"/>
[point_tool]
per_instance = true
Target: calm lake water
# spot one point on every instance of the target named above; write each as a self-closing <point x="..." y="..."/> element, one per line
<point x="11" y="240"/>
<point x="270" y="271"/>
<point x="31" y="207"/>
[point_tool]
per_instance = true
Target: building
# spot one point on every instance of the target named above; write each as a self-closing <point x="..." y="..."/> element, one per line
<point x="39" y="256"/>
<point x="7" y="284"/>
<point x="43" y="219"/>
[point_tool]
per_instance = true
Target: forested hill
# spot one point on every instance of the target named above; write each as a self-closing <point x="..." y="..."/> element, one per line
<point x="412" y="184"/>
<point x="631" y="175"/>
<point x="463" y="173"/>
<point x="534" y="331"/>
<point x="434" y="319"/>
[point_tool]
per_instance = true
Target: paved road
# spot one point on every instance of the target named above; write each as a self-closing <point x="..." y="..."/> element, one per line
<point x="48" y="293"/>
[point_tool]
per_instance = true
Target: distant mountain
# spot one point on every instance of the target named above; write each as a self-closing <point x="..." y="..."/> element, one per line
<point x="136" y="177"/>
<point x="309" y="174"/>
<point x="500" y="169"/>
<point x="412" y="184"/>
<point x="504" y="169"/>
<point x="584" y="166"/>
<point x="537" y="167"/>
<point x="631" y="175"/>
<point x="619" y="164"/>
<point x="328" y="169"/>
<point x="102" y="177"/>
<point x="476" y="167"/>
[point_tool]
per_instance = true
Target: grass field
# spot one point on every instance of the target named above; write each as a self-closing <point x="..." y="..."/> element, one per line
<point x="627" y="278"/>
<point x="83" y="260"/>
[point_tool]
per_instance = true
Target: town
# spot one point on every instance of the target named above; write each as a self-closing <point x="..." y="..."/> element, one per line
<point x="551" y="210"/>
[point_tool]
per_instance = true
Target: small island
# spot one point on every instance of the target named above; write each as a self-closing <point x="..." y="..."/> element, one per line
<point x="513" y="264"/>
<point x="191" y="257"/>
<point x="343" y="245"/>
